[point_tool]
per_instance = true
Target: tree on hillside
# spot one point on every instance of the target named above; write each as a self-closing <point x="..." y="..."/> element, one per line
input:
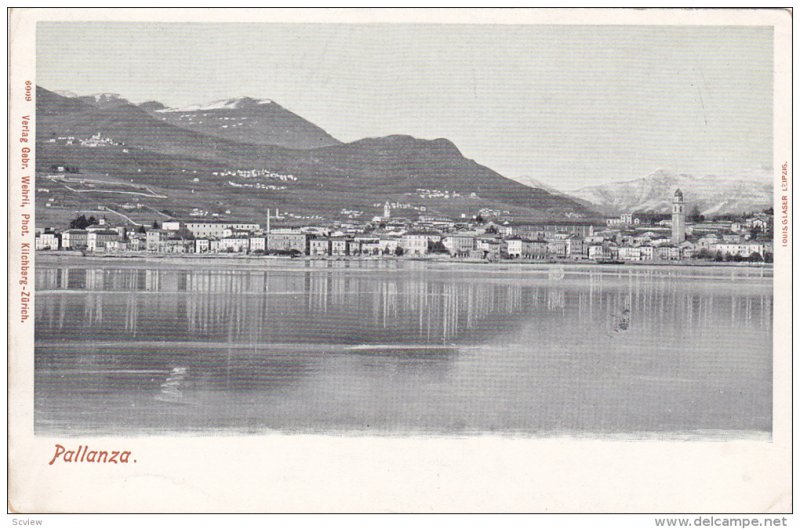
<point x="92" y="221"/>
<point x="141" y="229"/>
<point x="155" y="225"/>
<point x="78" y="223"/>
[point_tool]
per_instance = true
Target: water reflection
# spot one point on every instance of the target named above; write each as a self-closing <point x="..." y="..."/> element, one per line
<point x="401" y="347"/>
<point x="330" y="306"/>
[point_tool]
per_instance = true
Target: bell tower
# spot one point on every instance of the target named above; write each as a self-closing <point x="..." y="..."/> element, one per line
<point x="678" y="218"/>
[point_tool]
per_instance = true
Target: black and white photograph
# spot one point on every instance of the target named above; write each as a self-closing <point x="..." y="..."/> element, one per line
<point x="526" y="232"/>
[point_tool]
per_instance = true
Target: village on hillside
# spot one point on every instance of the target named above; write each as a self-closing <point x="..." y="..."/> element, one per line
<point x="627" y="238"/>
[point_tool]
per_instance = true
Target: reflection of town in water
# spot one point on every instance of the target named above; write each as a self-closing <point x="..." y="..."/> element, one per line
<point x="246" y="348"/>
<point x="369" y="306"/>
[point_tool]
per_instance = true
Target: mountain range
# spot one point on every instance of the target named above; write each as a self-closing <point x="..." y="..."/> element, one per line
<point x="710" y="194"/>
<point x="246" y="155"/>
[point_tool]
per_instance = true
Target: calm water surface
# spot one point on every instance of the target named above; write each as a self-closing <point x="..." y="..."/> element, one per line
<point x="401" y="348"/>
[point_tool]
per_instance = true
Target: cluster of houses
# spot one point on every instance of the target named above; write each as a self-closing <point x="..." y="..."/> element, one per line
<point x="95" y="140"/>
<point x="626" y="240"/>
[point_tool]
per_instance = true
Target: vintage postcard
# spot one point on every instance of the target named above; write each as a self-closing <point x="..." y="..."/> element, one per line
<point x="400" y="261"/>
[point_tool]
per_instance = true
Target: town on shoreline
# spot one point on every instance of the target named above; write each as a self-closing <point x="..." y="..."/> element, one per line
<point x="629" y="238"/>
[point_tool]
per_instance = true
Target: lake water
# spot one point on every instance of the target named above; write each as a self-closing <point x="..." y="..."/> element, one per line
<point x="401" y="347"/>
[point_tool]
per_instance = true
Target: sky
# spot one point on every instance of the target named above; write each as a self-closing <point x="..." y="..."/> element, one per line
<point x="570" y="106"/>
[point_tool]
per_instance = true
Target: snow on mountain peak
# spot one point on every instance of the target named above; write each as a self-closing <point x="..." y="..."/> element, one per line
<point x="66" y="93"/>
<point x="106" y="96"/>
<point x="221" y="104"/>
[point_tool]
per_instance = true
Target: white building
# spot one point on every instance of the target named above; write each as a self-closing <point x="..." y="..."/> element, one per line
<point x="46" y="241"/>
<point x="217" y="229"/>
<point x="741" y="249"/>
<point x="258" y="243"/>
<point x="201" y="245"/>
<point x="460" y="245"/>
<point x="234" y="244"/>
<point x="514" y="246"/>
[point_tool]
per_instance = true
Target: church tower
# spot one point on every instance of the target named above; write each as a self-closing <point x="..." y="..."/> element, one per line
<point x="387" y="210"/>
<point x="678" y="218"/>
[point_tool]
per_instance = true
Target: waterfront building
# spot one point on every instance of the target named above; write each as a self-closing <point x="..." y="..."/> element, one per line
<point x="514" y="247"/>
<point x="281" y="241"/>
<point x="388" y="244"/>
<point x="176" y="245"/>
<point x="575" y="247"/>
<point x="416" y="242"/>
<point x="534" y="249"/>
<point x="320" y="246"/>
<point x="201" y="246"/>
<point x="96" y="240"/>
<point x="367" y="244"/>
<point x="740" y="249"/>
<point x="668" y="252"/>
<point x="488" y="247"/>
<point x="154" y="238"/>
<point x="459" y="245"/>
<point x="678" y="218"/>
<point x="258" y="243"/>
<point x="234" y="244"/>
<point x="74" y="239"/>
<point x="117" y="246"/>
<point x="596" y="252"/>
<point x="557" y="247"/>
<point x="630" y="253"/>
<point x="137" y="242"/>
<point x="339" y="246"/>
<point x="46" y="241"/>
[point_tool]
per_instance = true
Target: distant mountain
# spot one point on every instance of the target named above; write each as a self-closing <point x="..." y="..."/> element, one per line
<point x="191" y="169"/>
<point x="247" y="120"/>
<point x="66" y="93"/>
<point x="533" y="182"/>
<point x="151" y="106"/>
<point x="122" y="121"/>
<point x="711" y="194"/>
<point x="106" y="100"/>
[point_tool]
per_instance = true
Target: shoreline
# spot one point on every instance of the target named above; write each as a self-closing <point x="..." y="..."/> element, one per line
<point x="49" y="257"/>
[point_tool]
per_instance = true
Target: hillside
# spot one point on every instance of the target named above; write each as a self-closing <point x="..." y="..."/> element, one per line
<point x="121" y="144"/>
<point x="711" y="194"/>
<point x="247" y="120"/>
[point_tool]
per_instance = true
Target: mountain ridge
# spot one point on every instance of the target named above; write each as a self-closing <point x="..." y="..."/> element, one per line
<point x="195" y="170"/>
<point x="711" y="194"/>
